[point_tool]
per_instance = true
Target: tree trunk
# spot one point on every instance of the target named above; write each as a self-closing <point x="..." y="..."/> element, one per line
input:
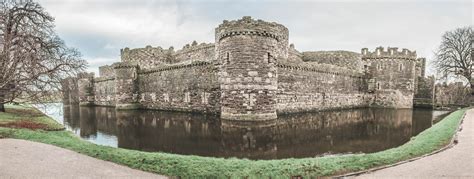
<point x="472" y="88"/>
<point x="2" y="106"/>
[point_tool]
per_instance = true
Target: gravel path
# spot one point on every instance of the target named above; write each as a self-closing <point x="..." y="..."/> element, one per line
<point x="26" y="159"/>
<point x="456" y="162"/>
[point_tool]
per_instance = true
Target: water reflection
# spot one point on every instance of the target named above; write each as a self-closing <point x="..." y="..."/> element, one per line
<point x="296" y="135"/>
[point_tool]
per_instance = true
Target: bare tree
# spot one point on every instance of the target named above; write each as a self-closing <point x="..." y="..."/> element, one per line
<point x="453" y="57"/>
<point x="33" y="59"/>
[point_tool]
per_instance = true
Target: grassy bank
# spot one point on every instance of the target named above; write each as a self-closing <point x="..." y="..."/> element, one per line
<point x="195" y="166"/>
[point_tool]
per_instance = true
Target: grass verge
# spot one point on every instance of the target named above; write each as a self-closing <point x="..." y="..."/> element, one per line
<point x="187" y="166"/>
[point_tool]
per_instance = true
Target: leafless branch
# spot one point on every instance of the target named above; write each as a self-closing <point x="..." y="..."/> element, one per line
<point x="33" y="59"/>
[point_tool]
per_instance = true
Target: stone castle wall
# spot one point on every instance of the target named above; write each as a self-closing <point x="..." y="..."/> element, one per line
<point x="189" y="87"/>
<point x="252" y="73"/>
<point x="310" y="87"/>
<point x="104" y="91"/>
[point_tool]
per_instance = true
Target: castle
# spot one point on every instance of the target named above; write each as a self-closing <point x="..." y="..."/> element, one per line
<point x="250" y="73"/>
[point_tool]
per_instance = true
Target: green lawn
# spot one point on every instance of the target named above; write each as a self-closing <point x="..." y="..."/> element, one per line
<point x="25" y="115"/>
<point x="195" y="166"/>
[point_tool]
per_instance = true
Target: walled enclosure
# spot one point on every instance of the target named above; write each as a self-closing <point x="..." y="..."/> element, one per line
<point x="251" y="73"/>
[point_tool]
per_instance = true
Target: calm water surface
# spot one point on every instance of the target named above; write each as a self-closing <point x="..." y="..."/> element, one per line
<point x="290" y="136"/>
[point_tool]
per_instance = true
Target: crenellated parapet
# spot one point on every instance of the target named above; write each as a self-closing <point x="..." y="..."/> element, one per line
<point x="148" y="56"/>
<point x="195" y="51"/>
<point x="251" y="27"/>
<point x="391" y="52"/>
<point x="255" y="28"/>
<point x="194" y="47"/>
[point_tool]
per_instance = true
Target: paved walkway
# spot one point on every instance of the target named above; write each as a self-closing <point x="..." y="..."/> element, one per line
<point x="456" y="162"/>
<point x="26" y="159"/>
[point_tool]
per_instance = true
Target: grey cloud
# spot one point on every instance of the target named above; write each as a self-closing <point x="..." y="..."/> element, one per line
<point x="100" y="29"/>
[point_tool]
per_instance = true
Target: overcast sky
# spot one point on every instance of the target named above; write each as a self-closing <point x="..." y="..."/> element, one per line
<point x="99" y="29"/>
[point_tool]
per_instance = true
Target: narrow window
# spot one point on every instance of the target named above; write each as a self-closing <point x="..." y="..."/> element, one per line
<point x="401" y="67"/>
<point x="269" y="57"/>
<point x="378" y="85"/>
<point x="227" y="58"/>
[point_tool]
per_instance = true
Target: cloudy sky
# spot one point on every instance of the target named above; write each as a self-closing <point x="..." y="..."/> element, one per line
<point x="99" y="29"/>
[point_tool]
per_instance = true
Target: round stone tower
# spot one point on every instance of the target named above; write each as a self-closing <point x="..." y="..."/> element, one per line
<point x="126" y="83"/>
<point x="392" y="76"/>
<point x="247" y="51"/>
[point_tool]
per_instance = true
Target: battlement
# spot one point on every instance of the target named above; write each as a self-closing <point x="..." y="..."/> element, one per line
<point x="249" y="26"/>
<point x="392" y="52"/>
<point x="194" y="47"/>
<point x="149" y="55"/>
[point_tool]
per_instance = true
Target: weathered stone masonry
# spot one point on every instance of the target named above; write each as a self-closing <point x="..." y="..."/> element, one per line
<point x="251" y="72"/>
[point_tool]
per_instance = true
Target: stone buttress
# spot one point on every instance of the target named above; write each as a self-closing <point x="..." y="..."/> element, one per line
<point x="126" y="81"/>
<point x="85" y="85"/>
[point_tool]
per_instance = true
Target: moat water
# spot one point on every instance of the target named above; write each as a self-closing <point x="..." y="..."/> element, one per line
<point x="290" y="136"/>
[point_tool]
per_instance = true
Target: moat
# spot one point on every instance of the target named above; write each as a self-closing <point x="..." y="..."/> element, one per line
<point x="300" y="135"/>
